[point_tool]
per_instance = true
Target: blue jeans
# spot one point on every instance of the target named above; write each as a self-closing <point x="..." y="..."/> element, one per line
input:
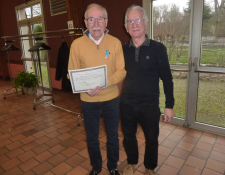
<point x="148" y="117"/>
<point x="110" y="113"/>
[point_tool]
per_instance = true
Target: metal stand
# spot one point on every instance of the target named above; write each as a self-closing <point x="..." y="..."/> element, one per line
<point x="78" y="119"/>
<point x="6" y="48"/>
<point x="43" y="93"/>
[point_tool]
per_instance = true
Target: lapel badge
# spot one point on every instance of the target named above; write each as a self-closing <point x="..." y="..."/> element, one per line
<point x="106" y="54"/>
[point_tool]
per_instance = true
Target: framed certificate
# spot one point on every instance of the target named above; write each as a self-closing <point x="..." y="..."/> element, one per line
<point x="84" y="80"/>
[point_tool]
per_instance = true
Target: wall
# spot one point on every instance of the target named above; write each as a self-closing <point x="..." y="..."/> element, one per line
<point x="116" y="11"/>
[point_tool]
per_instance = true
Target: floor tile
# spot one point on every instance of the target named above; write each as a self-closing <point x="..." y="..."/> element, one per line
<point x="70" y="152"/>
<point x="207" y="139"/>
<point x="26" y="156"/>
<point x="215" y="165"/>
<point x="75" y="160"/>
<point x="179" y="132"/>
<point x="68" y="142"/>
<point x="195" y="162"/>
<point x="217" y="156"/>
<point x="87" y="164"/>
<point x="10" y="164"/>
<point x="185" y="145"/>
<point x="190" y="139"/>
<point x="207" y="171"/>
<point x="169" y="143"/>
<point x="204" y="146"/>
<point x="14" y="171"/>
<point x="42" y="140"/>
<point x="200" y="153"/>
<point x="41" y="148"/>
<point x="188" y="170"/>
<point x="62" y="169"/>
<point x="168" y="170"/>
<point x="79" y="137"/>
<point x="57" y="159"/>
<point x="220" y="140"/>
<point x="174" y="137"/>
<point x="174" y="162"/>
<point x="29" y="164"/>
<point x="80" y="169"/>
<point x="56" y="149"/>
<point x="14" y="145"/>
<point x="180" y="153"/>
<point x="219" y="148"/>
<point x="164" y="151"/>
<point x="42" y="168"/>
<point x="43" y="156"/>
<point x="3" y="158"/>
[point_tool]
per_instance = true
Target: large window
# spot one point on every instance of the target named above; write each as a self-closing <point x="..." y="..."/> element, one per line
<point x="30" y="20"/>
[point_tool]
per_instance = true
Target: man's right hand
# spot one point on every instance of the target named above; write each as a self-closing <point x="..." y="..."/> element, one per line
<point x="95" y="91"/>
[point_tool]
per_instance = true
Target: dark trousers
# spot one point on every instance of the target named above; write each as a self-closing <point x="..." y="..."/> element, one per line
<point x="148" y="117"/>
<point x="110" y="113"/>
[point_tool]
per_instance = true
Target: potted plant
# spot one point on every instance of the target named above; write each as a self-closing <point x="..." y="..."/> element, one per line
<point x="27" y="81"/>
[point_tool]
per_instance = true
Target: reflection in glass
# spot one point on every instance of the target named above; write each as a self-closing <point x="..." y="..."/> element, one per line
<point x="29" y="66"/>
<point x="36" y="10"/>
<point x="211" y="99"/>
<point x="44" y="72"/>
<point x="29" y="12"/>
<point x="171" y="27"/>
<point x="24" y="13"/>
<point x="180" y="84"/>
<point x="37" y="28"/>
<point x="213" y="34"/>
<point x="25" y="42"/>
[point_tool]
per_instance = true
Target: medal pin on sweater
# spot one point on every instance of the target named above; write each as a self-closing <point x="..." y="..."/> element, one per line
<point x="106" y="54"/>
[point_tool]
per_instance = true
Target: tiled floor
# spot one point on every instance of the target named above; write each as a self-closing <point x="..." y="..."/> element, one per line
<point x="48" y="141"/>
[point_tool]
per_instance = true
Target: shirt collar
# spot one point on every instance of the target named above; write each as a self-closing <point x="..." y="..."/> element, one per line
<point x="96" y="41"/>
<point x="145" y="43"/>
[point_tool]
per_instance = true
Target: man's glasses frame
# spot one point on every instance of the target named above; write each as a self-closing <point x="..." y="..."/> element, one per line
<point x="137" y="21"/>
<point x="100" y="19"/>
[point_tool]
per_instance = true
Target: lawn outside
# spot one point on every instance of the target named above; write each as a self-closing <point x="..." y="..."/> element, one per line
<point x="211" y="97"/>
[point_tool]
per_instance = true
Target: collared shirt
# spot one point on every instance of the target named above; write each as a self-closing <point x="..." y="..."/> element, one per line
<point x="145" y="43"/>
<point x="97" y="42"/>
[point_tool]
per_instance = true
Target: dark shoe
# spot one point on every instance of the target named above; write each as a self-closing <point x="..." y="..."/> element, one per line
<point x="114" y="172"/>
<point x="93" y="172"/>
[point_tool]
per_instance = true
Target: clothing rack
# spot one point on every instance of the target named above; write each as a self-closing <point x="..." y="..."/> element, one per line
<point x="9" y="47"/>
<point x="21" y="37"/>
<point x="42" y="33"/>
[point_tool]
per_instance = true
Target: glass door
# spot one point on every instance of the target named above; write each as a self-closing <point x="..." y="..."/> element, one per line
<point x="209" y="67"/>
<point x="171" y="26"/>
<point x="193" y="32"/>
<point x="30" y="21"/>
<point x="30" y="58"/>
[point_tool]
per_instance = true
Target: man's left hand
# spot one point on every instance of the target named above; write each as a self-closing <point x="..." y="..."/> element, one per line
<point x="95" y="91"/>
<point x="168" y="114"/>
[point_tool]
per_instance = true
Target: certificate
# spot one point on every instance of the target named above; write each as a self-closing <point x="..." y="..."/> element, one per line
<point x="83" y="80"/>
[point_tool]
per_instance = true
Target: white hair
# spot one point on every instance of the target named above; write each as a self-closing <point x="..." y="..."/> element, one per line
<point x="138" y="8"/>
<point x="92" y="5"/>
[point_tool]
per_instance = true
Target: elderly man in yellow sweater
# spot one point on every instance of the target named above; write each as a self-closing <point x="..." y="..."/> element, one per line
<point x="90" y="51"/>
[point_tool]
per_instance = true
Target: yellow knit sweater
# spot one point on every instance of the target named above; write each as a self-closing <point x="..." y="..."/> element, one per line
<point x="84" y="53"/>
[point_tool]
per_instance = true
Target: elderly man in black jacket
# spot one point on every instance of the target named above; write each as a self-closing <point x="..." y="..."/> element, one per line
<point x="146" y="62"/>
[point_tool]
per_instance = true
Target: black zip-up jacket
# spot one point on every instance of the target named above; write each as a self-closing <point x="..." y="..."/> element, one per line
<point x="141" y="84"/>
<point x="62" y="67"/>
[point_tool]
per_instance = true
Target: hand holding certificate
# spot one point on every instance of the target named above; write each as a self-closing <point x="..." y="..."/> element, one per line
<point x="84" y="80"/>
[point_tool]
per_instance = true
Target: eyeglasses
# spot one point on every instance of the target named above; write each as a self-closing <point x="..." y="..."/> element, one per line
<point x="137" y="21"/>
<point x="92" y="20"/>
